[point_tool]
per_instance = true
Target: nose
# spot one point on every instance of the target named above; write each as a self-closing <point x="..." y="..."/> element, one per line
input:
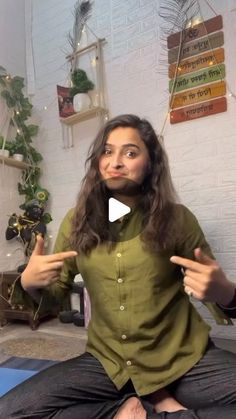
<point x="116" y="161"/>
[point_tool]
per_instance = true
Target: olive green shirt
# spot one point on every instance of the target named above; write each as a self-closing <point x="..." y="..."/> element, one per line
<point x="143" y="326"/>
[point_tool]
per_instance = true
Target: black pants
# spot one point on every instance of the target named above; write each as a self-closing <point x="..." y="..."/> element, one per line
<point x="79" y="388"/>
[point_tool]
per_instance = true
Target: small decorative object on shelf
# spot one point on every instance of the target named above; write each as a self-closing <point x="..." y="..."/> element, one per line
<point x="5" y="147"/>
<point x="18" y="156"/>
<point x="26" y="227"/>
<point x="81" y="85"/>
<point x="65" y="102"/>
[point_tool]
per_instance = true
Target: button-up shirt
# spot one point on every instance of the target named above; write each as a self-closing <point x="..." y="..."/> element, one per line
<point x="143" y="326"/>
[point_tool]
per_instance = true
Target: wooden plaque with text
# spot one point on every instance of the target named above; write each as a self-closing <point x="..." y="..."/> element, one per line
<point x="197" y="31"/>
<point x="200" y="45"/>
<point x="198" y="111"/>
<point x="199" y="94"/>
<point x="196" y="63"/>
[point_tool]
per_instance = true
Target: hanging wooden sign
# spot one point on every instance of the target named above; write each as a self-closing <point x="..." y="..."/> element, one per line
<point x="193" y="48"/>
<point x="198" y="111"/>
<point x="197" y="31"/>
<point x="199" y="94"/>
<point x="201" y="61"/>
<point x="198" y="78"/>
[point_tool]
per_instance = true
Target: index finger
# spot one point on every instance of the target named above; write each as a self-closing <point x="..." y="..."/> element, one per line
<point x="188" y="263"/>
<point x="62" y="256"/>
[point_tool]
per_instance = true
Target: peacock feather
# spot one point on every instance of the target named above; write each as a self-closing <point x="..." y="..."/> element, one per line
<point x="81" y="13"/>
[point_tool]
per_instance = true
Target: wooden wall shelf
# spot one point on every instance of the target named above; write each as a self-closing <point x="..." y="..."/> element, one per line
<point x="8" y="161"/>
<point x="84" y="116"/>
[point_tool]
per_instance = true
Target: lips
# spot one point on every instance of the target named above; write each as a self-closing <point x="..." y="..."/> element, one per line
<point x="116" y="174"/>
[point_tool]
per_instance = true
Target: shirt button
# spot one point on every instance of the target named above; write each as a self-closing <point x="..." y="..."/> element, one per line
<point x="120" y="280"/>
<point x="118" y="255"/>
<point x="124" y="337"/>
<point x="128" y="363"/>
<point x="122" y="308"/>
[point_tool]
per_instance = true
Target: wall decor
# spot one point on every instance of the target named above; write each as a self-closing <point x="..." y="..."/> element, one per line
<point x="197" y="71"/>
<point x="84" y="98"/>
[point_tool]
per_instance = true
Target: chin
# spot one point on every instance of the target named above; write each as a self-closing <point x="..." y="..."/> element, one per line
<point x="122" y="186"/>
<point x="117" y="183"/>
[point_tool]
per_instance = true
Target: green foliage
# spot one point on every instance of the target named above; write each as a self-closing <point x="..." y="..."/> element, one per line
<point x="11" y="89"/>
<point x="81" y="83"/>
<point x="46" y="218"/>
<point x="7" y="145"/>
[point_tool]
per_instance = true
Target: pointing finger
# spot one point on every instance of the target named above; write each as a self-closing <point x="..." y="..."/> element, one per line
<point x="188" y="263"/>
<point x="56" y="257"/>
<point x="39" y="246"/>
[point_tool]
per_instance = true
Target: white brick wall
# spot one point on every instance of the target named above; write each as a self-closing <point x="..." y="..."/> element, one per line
<point x="202" y="153"/>
<point x="12" y="57"/>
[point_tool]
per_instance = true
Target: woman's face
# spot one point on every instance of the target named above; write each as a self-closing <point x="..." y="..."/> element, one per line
<point x="125" y="156"/>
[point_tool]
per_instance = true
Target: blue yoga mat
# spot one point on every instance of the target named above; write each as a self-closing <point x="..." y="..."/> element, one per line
<point x="15" y="370"/>
<point x="9" y="378"/>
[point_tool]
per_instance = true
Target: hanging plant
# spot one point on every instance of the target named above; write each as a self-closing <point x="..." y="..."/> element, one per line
<point x="80" y="82"/>
<point x="20" y="108"/>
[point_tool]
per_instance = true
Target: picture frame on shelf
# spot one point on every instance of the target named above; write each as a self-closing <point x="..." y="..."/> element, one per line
<point x="65" y="102"/>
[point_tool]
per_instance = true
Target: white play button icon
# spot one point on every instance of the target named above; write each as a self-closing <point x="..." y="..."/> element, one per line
<point x="116" y="209"/>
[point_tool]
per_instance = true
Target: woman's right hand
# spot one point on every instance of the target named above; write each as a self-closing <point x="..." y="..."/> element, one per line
<point x="43" y="270"/>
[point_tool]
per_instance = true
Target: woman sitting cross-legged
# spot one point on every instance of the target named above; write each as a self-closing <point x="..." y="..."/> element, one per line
<point x="148" y="353"/>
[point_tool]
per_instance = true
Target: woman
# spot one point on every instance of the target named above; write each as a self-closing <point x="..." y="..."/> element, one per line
<point x="148" y="349"/>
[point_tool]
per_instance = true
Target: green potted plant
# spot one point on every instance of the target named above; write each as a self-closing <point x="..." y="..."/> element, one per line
<point x="18" y="150"/>
<point x="5" y="147"/>
<point x="20" y="108"/>
<point x="81" y="85"/>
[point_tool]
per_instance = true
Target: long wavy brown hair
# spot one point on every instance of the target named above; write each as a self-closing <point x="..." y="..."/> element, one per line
<point x="90" y="225"/>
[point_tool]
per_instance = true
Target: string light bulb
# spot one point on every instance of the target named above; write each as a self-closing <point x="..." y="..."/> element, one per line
<point x="94" y="62"/>
<point x="196" y="21"/>
<point x="45" y="108"/>
<point x="17" y="113"/>
<point x="18" y="131"/>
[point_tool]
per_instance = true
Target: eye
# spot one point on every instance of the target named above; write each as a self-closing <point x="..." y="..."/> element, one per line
<point x="107" y="151"/>
<point x="131" y="154"/>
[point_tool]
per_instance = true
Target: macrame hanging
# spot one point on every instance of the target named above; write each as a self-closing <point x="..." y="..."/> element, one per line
<point x="86" y="47"/>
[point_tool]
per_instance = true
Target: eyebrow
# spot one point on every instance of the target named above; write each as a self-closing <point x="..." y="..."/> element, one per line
<point x="124" y="145"/>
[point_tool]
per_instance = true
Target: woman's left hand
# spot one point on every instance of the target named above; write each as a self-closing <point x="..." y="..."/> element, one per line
<point x="205" y="280"/>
